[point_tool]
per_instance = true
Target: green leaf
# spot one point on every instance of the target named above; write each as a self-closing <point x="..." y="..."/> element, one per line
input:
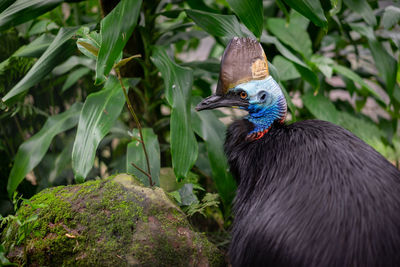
<point x="73" y="77"/>
<point x="207" y="125"/>
<point x="285" y="68"/>
<point x="365" y="130"/>
<point x="321" y="107"/>
<point x="23" y="10"/>
<point x="61" y="162"/>
<point x="178" y="85"/>
<point x="324" y="64"/>
<point x="385" y="63"/>
<point x="31" y="152"/>
<point x="89" y="45"/>
<point x="59" y="50"/>
<point x="5" y="3"/>
<point x="168" y="180"/>
<point x="71" y="63"/>
<point x="348" y="73"/>
<point x="336" y="7"/>
<point x="225" y="26"/>
<point x="125" y="61"/>
<point x="250" y="13"/>
<point x="311" y="9"/>
<point x="283" y="50"/>
<point x="136" y="155"/>
<point x="304" y="70"/>
<point x="391" y="17"/>
<point x="187" y="195"/>
<point x="209" y="65"/>
<point x="36" y="47"/>
<point x="98" y="115"/>
<point x="363" y="8"/>
<point x="291" y="34"/>
<point x="115" y="30"/>
<point x="42" y="26"/>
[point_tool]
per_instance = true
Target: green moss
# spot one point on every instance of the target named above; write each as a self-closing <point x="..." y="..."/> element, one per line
<point x="108" y="222"/>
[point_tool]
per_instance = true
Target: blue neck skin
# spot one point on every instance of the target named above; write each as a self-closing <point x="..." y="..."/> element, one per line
<point x="267" y="104"/>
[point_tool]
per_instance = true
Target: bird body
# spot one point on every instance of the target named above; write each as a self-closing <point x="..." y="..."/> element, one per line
<point x="312" y="194"/>
<point x="309" y="193"/>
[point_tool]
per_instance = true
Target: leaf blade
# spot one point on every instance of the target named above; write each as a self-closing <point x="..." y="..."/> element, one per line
<point x="136" y="155"/>
<point x="98" y="115"/>
<point x="59" y="50"/>
<point x="31" y="152"/>
<point x="209" y="128"/>
<point x="178" y="82"/>
<point x="224" y="26"/>
<point x="250" y="13"/>
<point x="363" y="8"/>
<point x="311" y="9"/>
<point x="115" y="30"/>
<point x="22" y="11"/>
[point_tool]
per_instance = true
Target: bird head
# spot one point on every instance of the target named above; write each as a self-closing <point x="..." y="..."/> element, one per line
<point x="244" y="82"/>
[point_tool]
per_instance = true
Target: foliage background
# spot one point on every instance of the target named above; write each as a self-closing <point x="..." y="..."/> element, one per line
<point x="63" y="118"/>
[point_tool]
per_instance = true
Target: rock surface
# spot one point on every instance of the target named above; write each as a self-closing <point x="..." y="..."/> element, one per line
<point x="110" y="222"/>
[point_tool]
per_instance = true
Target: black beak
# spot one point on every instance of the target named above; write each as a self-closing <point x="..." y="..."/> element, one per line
<point x="217" y="101"/>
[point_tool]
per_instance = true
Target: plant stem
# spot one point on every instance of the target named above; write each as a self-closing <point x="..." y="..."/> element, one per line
<point x="141" y="170"/>
<point x="128" y="102"/>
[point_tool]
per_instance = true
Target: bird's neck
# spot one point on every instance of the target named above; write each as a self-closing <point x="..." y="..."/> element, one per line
<point x="263" y="117"/>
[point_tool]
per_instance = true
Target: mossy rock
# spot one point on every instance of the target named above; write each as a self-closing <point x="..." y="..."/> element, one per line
<point x="110" y="222"/>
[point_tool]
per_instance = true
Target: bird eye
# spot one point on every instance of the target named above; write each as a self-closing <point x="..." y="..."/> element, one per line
<point x="243" y="95"/>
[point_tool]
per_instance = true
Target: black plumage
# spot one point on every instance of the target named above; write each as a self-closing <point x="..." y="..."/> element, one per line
<point x="309" y="193"/>
<point x="312" y="194"/>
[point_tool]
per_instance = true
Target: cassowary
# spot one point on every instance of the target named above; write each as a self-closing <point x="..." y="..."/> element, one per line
<point x="309" y="193"/>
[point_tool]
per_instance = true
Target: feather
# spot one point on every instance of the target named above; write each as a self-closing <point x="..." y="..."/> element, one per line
<point x="312" y="194"/>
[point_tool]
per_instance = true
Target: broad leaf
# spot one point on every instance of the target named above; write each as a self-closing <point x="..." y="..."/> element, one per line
<point x="311" y="9"/>
<point x="24" y="10"/>
<point x="31" y="152"/>
<point x="178" y="86"/>
<point x="285" y="68"/>
<point x="224" y="26"/>
<point x="363" y="8"/>
<point x="250" y="13"/>
<point x="321" y="107"/>
<point x="5" y="3"/>
<point x="207" y="125"/>
<point x="283" y="50"/>
<point x="115" y="30"/>
<point x="385" y="63"/>
<point x="391" y="17"/>
<point x="42" y="26"/>
<point x="98" y="115"/>
<point x="324" y="64"/>
<point x="209" y="65"/>
<point x="348" y="73"/>
<point x="36" y="47"/>
<point x="73" y="77"/>
<point x="291" y="34"/>
<point x="59" y="50"/>
<point x="72" y="62"/>
<point x="304" y="70"/>
<point x="187" y="196"/>
<point x="136" y="155"/>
